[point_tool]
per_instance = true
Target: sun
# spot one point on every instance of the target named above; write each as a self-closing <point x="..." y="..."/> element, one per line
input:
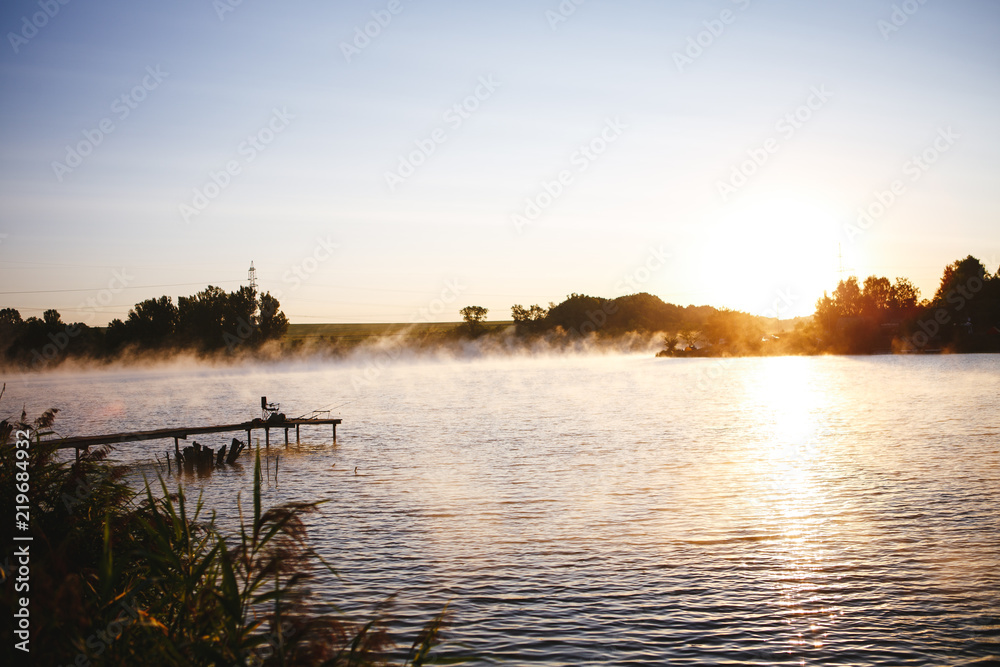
<point x="773" y="256"/>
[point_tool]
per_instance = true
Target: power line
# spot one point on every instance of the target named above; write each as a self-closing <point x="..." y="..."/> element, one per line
<point x="120" y="289"/>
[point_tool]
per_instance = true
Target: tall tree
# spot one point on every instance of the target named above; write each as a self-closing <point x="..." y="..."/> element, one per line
<point x="272" y="323"/>
<point x="876" y="296"/>
<point x="52" y="318"/>
<point x="474" y="314"/>
<point x="10" y="327"/>
<point x="200" y="318"/>
<point x="848" y="297"/>
<point x="152" y="322"/>
<point x="904" y="296"/>
<point x="961" y="276"/>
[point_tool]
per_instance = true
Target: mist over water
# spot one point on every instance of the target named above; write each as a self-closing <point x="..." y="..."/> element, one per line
<point x="621" y="509"/>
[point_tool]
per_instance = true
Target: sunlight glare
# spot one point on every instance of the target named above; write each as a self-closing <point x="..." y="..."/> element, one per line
<point x="770" y="248"/>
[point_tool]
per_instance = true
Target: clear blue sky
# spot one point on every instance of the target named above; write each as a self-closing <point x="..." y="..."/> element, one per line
<point x="330" y="122"/>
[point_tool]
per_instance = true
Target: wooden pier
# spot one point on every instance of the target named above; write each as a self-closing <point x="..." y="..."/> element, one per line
<point x="204" y="458"/>
<point x="85" y="441"/>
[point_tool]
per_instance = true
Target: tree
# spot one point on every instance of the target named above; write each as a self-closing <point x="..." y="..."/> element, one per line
<point x="521" y="314"/>
<point x="200" y="318"/>
<point x="690" y="337"/>
<point x="963" y="276"/>
<point x="474" y="314"/>
<point x="876" y="296"/>
<point x="10" y="327"/>
<point x="670" y="342"/>
<point x="272" y="323"/>
<point x="52" y="318"/>
<point x="903" y="296"/>
<point x="827" y="315"/>
<point x="967" y="304"/>
<point x="736" y="331"/>
<point x="848" y="297"/>
<point x="152" y="322"/>
<point x="116" y="334"/>
<point x="579" y="313"/>
<point x="10" y="317"/>
<point x="528" y="319"/>
<point x="474" y="317"/>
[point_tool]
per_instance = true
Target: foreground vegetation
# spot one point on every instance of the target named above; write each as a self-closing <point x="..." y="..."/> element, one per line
<point x="119" y="578"/>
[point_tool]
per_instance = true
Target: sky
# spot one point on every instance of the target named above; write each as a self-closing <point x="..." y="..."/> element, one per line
<point x="396" y="160"/>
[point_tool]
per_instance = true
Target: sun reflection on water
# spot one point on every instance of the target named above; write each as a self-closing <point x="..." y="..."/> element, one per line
<point x="794" y="500"/>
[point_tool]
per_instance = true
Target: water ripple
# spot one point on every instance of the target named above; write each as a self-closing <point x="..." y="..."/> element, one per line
<point x="800" y="511"/>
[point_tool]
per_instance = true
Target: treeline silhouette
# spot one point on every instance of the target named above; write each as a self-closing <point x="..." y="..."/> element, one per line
<point x="581" y="315"/>
<point x="858" y="318"/>
<point x="602" y="319"/>
<point x="211" y="321"/>
<point x="879" y="316"/>
<point x="876" y="315"/>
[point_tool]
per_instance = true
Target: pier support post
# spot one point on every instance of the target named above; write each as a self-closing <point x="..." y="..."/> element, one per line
<point x="177" y="448"/>
<point x="249" y="439"/>
<point x="296" y="434"/>
<point x="267" y="438"/>
<point x="335" y="432"/>
<point x="286" y="436"/>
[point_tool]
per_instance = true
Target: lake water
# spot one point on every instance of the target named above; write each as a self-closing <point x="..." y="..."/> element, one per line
<point x="624" y="509"/>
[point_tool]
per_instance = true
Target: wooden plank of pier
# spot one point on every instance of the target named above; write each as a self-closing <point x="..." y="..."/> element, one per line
<point x="84" y="441"/>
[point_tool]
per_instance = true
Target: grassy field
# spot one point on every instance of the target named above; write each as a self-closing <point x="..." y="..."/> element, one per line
<point x="356" y="332"/>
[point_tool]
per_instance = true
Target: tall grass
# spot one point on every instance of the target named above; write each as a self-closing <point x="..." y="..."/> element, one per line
<point x="125" y="578"/>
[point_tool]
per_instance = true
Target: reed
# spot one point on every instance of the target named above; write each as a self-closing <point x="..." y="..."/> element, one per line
<point x="125" y="578"/>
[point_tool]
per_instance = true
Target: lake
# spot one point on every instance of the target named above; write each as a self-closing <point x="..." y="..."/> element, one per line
<point x="622" y="509"/>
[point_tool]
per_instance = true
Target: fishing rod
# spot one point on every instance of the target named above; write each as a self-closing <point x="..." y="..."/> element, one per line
<point x="343" y="404"/>
<point x="330" y="410"/>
